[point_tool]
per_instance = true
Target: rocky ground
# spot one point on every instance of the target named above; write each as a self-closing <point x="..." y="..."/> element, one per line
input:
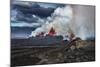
<point x="80" y="51"/>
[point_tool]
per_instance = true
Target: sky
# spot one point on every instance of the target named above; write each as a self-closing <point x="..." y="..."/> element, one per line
<point x="26" y="16"/>
<point x="30" y="12"/>
<point x="31" y="18"/>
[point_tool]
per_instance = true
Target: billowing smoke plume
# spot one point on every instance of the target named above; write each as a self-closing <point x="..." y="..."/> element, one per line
<point x="59" y="21"/>
<point x="78" y="20"/>
<point x="83" y="23"/>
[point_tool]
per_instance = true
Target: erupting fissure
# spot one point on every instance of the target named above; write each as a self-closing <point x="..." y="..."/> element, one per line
<point x="52" y="32"/>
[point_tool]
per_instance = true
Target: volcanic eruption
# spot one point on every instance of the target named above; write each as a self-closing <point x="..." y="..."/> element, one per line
<point x="57" y="24"/>
<point x="52" y="32"/>
<point x="68" y="22"/>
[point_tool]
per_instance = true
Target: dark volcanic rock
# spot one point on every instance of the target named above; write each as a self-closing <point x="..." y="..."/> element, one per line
<point x="84" y="51"/>
<point x="47" y="41"/>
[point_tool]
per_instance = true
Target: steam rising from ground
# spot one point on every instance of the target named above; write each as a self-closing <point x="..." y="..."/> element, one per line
<point x="70" y="19"/>
<point x="83" y="23"/>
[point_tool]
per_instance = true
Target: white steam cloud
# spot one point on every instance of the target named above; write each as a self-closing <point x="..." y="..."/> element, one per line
<point x="83" y="23"/>
<point x="59" y="20"/>
<point x="70" y="19"/>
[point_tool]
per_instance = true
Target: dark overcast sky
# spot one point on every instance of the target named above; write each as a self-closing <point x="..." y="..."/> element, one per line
<point x="22" y="20"/>
<point x="37" y="8"/>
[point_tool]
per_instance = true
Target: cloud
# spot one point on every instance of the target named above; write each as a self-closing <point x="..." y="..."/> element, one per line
<point x="24" y="24"/>
<point x="70" y="19"/>
<point x="22" y="3"/>
<point x="77" y="19"/>
<point x="33" y="8"/>
<point x="24" y="21"/>
<point x="59" y="20"/>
